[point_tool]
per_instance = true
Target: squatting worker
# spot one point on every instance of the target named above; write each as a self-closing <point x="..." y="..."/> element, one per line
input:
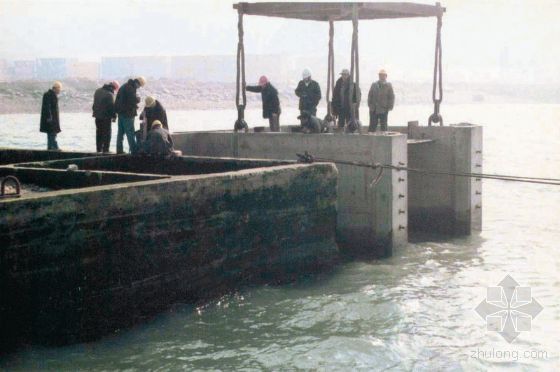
<point x="270" y="102"/>
<point x="154" y="110"/>
<point x="159" y="141"/>
<point x="310" y="123"/>
<point x="340" y="102"/>
<point x="126" y="106"/>
<point x="104" y="113"/>
<point x="309" y="93"/>
<point x="381" y="100"/>
<point x="50" y="120"/>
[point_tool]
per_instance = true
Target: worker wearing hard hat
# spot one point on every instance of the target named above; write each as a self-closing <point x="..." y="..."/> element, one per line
<point x="341" y="106"/>
<point x="309" y="93"/>
<point x="381" y="100"/>
<point x="154" y="110"/>
<point x="159" y="141"/>
<point x="50" y="119"/>
<point x="270" y="102"/>
<point x="126" y="106"/>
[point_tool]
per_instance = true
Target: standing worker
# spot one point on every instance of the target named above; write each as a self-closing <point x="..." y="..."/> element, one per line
<point x="270" y="102"/>
<point x="104" y="113"/>
<point x="381" y="100"/>
<point x="309" y="93"/>
<point x="340" y="103"/>
<point x="153" y="111"/>
<point x="50" y="120"/>
<point x="126" y="106"/>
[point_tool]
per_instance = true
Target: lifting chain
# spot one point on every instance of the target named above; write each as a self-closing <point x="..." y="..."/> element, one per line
<point x="330" y="73"/>
<point x="240" y="123"/>
<point x="438" y="81"/>
<point x="354" y="124"/>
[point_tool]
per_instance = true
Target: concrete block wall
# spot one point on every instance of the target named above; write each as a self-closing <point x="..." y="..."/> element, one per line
<point x="76" y="264"/>
<point x="440" y="203"/>
<point x="371" y="221"/>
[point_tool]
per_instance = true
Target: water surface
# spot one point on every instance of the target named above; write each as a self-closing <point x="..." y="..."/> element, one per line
<point x="413" y="311"/>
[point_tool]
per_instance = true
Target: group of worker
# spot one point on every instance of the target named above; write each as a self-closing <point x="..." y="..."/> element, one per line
<point x="381" y="99"/>
<point x="153" y="137"/>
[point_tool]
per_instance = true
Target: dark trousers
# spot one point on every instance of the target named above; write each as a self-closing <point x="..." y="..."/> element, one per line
<point x="51" y="141"/>
<point x="343" y="118"/>
<point x="311" y="111"/>
<point x="375" y="119"/>
<point x="103" y="134"/>
<point x="274" y="122"/>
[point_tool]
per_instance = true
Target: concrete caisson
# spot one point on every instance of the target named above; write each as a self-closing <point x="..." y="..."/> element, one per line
<point x="439" y="203"/>
<point x="371" y="220"/>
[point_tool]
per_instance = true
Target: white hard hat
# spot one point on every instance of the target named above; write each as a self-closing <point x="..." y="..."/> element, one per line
<point x="306" y="73"/>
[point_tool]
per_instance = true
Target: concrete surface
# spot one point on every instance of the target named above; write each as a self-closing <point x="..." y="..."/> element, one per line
<point x="79" y="263"/>
<point x="371" y="220"/>
<point x="444" y="204"/>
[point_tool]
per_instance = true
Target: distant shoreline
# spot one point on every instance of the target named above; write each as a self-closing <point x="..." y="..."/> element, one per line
<point x="21" y="97"/>
<point x="77" y="96"/>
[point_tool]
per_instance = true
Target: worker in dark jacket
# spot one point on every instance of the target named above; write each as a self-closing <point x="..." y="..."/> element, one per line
<point x="311" y="123"/>
<point x="159" y="141"/>
<point x="126" y="106"/>
<point x="309" y="93"/>
<point x="50" y="120"/>
<point x="104" y="113"/>
<point x="381" y="100"/>
<point x="153" y="111"/>
<point x="340" y="102"/>
<point x="270" y="102"/>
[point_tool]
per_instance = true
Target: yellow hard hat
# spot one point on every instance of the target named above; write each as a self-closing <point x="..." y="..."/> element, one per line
<point x="382" y="72"/>
<point x="150" y="101"/>
<point x="156" y="122"/>
<point x="57" y="84"/>
<point x="141" y="80"/>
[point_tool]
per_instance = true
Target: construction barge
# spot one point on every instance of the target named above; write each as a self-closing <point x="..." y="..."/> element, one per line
<point x="118" y="239"/>
<point x="93" y="244"/>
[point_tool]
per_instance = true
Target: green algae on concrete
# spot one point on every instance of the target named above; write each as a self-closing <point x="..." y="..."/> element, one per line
<point x="79" y="263"/>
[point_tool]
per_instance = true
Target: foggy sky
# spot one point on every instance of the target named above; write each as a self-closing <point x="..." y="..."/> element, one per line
<point x="482" y="39"/>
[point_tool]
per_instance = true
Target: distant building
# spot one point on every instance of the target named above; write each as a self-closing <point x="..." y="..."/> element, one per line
<point x="87" y="70"/>
<point x="277" y="68"/>
<point x="22" y="70"/>
<point x="280" y="69"/>
<point x="215" y="68"/>
<point x="203" y="68"/>
<point x="121" y="67"/>
<point x="53" y="68"/>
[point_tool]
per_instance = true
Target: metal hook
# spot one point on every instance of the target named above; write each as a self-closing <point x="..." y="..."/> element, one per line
<point x="377" y="178"/>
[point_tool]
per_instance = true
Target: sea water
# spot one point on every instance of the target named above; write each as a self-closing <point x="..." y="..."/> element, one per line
<point x="414" y="311"/>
